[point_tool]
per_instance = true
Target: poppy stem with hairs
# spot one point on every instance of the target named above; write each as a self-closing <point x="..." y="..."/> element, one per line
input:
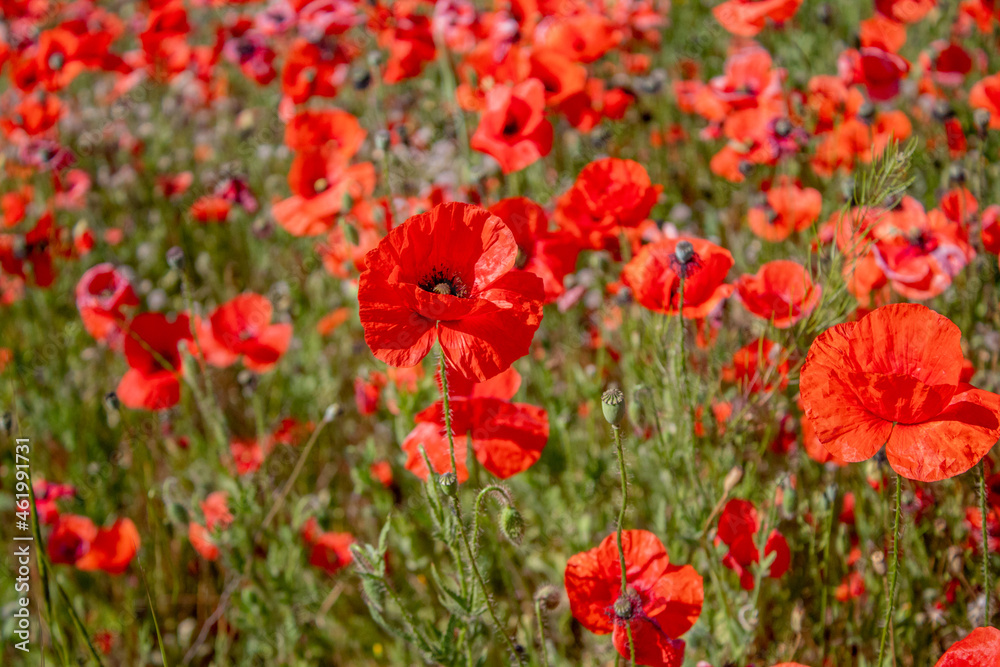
<point x="892" y="573"/>
<point x="986" y="544"/>
<point x="446" y="408"/>
<point x="623" y="473"/>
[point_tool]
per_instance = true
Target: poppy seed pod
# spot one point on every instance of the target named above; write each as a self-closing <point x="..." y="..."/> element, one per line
<point x="684" y="252"/>
<point x="449" y="482"/>
<point x="623" y="608"/>
<point x="512" y="524"/>
<point x="613" y="404"/>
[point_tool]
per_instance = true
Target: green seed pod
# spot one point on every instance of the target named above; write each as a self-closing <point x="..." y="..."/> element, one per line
<point x="512" y="524"/>
<point x="449" y="482"/>
<point x="613" y="404"/>
<point x="623" y="608"/>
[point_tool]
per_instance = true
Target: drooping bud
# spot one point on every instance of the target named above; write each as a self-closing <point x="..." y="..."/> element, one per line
<point x="613" y="405"/>
<point x="332" y="412"/>
<point x="547" y="597"/>
<point x="981" y="119"/>
<point x="512" y="524"/>
<point x="112" y="402"/>
<point x="956" y="174"/>
<point x="733" y="478"/>
<point x="175" y="258"/>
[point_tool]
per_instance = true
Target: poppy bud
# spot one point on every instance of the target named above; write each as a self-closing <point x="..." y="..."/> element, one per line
<point x="8" y="422"/>
<point x="847" y="188"/>
<point x="512" y="524"/>
<point x="175" y="258"/>
<point x="878" y="563"/>
<point x="867" y="112"/>
<point x="247" y="381"/>
<point x="824" y="13"/>
<point x="547" y="597"/>
<point x="981" y="119"/>
<point x="111" y="401"/>
<point x="684" y="252"/>
<point x="362" y="80"/>
<point x="449" y="482"/>
<point x="783" y="127"/>
<point x="943" y="111"/>
<point x="746" y="167"/>
<point x="332" y="412"/>
<point x="956" y="174"/>
<point x="177" y="513"/>
<point x="382" y="140"/>
<point x="374" y="58"/>
<point x="953" y="557"/>
<point x="613" y="404"/>
<point x="733" y="478"/>
<point x="789" y="498"/>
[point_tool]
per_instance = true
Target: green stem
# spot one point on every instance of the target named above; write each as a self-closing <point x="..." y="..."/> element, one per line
<point x="623" y="474"/>
<point x="986" y="542"/>
<point x="891" y="602"/>
<point x="458" y="510"/>
<point x="541" y="633"/>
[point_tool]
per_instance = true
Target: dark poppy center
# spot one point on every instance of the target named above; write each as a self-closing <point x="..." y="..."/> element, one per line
<point x="445" y="283"/>
<point x="512" y="126"/>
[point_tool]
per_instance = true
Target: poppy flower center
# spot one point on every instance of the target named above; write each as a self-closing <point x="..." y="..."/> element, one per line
<point x="56" y="61"/>
<point x="440" y="282"/>
<point x="512" y="126"/>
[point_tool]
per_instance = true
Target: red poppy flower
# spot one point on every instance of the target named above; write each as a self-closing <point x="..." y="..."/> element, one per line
<point x="35" y="248"/>
<point x="449" y="275"/>
<point x="989" y="233"/>
<point x="247" y="455"/>
<point x="549" y="255"/>
<point x="507" y="438"/>
<point x="985" y="94"/>
<point x="329" y="551"/>
<point x="655" y="277"/>
<point x="738" y="528"/>
<point x="201" y="539"/>
<point x="746" y="18"/>
<point x="893" y="379"/>
<point x="980" y="649"/>
<point x="760" y="365"/>
<point x="318" y="69"/>
<point x="75" y="540"/>
<point x="242" y="327"/>
<point x="152" y="381"/>
<point x="905" y="11"/>
<point x="101" y="295"/>
<point x="328" y="130"/>
<point x="609" y="194"/>
<point x="781" y="291"/>
<point x="661" y="603"/>
<point x="323" y="186"/>
<point x="211" y="209"/>
<point x="880" y="71"/>
<point x="513" y="129"/>
<point x="367" y="392"/>
<point x="790" y="208"/>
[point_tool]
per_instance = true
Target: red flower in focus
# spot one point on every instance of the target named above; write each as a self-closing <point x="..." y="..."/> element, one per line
<point x="329" y="551"/>
<point x="781" y="291"/>
<point x="893" y="379"/>
<point x="507" y="438"/>
<point x="609" y="194"/>
<point x="790" y="208"/>
<point x="980" y="649"/>
<point x="746" y="18"/>
<point x="549" y="255"/>
<point x="101" y="294"/>
<point x="75" y="540"/>
<point x="449" y="275"/>
<point x="661" y="603"/>
<point x="152" y="381"/>
<point x="242" y="327"/>
<point x="655" y="276"/>
<point x="738" y="528"/>
<point x="513" y="128"/>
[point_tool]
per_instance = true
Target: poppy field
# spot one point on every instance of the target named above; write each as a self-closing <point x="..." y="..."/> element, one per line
<point x="500" y="332"/>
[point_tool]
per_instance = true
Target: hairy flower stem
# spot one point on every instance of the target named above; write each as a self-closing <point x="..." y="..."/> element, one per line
<point x="891" y="600"/>
<point x="986" y="541"/>
<point x="541" y="632"/>
<point x="623" y="473"/>
<point x="446" y="408"/>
